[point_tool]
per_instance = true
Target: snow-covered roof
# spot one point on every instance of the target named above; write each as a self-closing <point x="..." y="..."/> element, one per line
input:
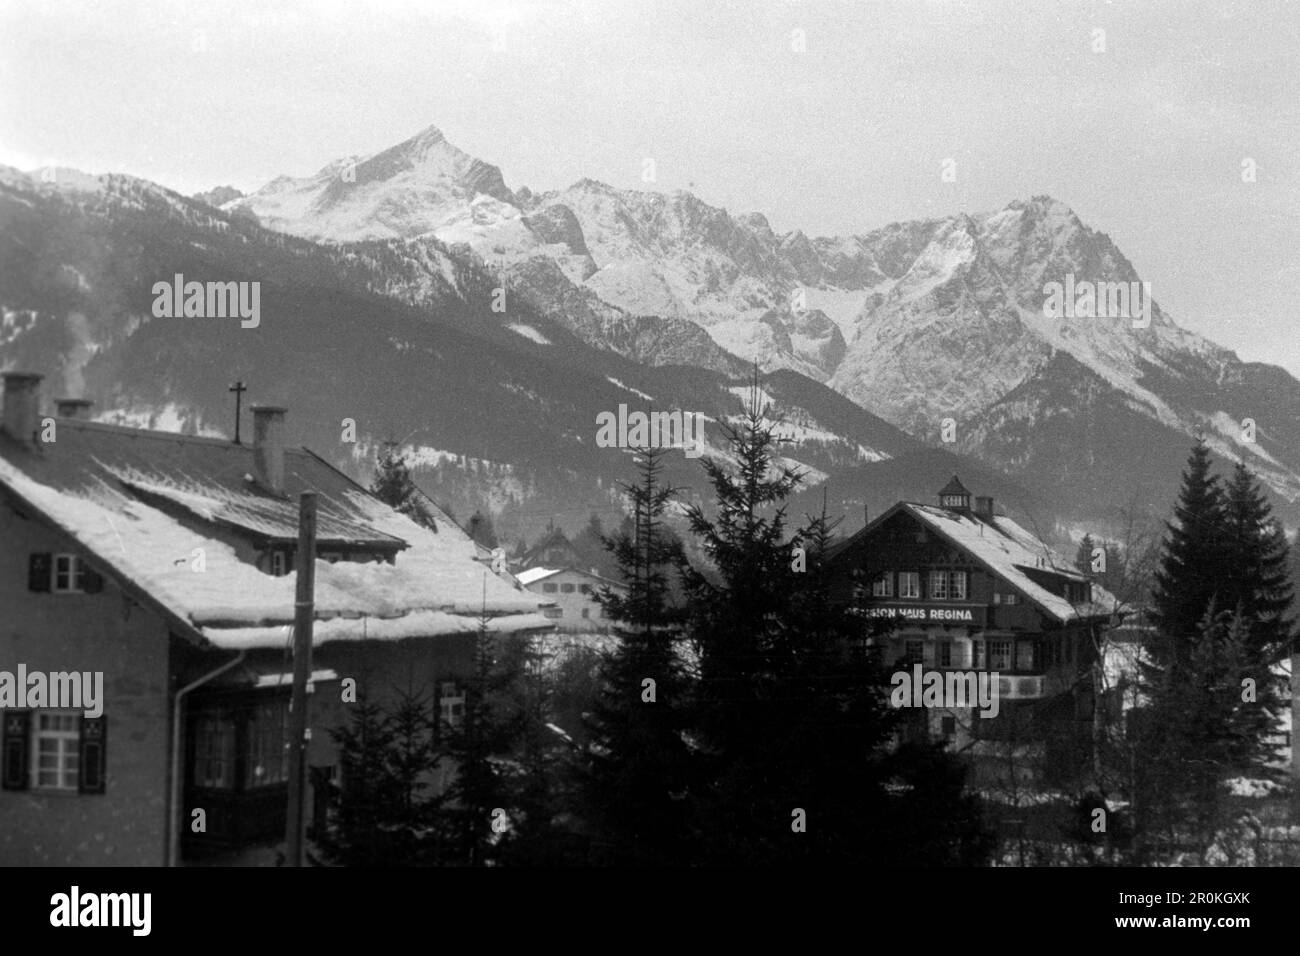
<point x="529" y="575"/>
<point x="1007" y="550"/>
<point x="533" y="575"/>
<point x="1013" y="553"/>
<point x="149" y="506"/>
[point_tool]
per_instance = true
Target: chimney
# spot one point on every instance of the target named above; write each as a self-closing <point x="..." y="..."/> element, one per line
<point x="268" y="446"/>
<point x="22" y="405"/>
<point x="73" y="408"/>
<point x="984" y="506"/>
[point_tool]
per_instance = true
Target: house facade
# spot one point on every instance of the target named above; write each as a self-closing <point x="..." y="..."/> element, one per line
<point x="959" y="589"/>
<point x="160" y="568"/>
<point x="573" y="593"/>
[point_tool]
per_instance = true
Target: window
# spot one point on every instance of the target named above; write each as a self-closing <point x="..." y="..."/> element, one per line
<point x="1011" y="599"/>
<point x="278" y="564"/>
<point x="913" y="652"/>
<point x="883" y="585"/>
<point x="997" y="597"/>
<point x="54" y="756"/>
<point x="953" y="501"/>
<point x="584" y="588"/>
<point x="550" y="588"/>
<point x="944" y="653"/>
<point x="53" y="750"/>
<point x="909" y="584"/>
<point x="999" y="655"/>
<point x="268" y="748"/>
<point x="451" y="704"/>
<point x="948" y="585"/>
<point x="553" y="612"/>
<point x="214" y="752"/>
<point x="1025" y="656"/>
<point x="976" y="654"/>
<point x="586" y="613"/>
<point x="332" y="557"/>
<point x="566" y="588"/>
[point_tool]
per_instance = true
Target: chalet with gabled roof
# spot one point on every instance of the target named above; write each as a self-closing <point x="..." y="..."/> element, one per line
<point x="166" y="563"/>
<point x="956" y="587"/>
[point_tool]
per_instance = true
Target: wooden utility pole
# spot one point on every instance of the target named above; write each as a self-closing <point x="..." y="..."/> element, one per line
<point x="298" y="725"/>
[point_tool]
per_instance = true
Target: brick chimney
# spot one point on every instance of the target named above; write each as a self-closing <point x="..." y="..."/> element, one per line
<point x="268" y="446"/>
<point x="984" y="506"/>
<point x="73" y="408"/>
<point x="22" y="405"/>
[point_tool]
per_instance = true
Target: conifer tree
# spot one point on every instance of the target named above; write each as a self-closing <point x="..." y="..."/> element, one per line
<point x="1199" y="732"/>
<point x="1083" y="557"/>
<point x="1193" y="564"/>
<point x="638" y="774"/>
<point x="394" y="486"/>
<point x="360" y="833"/>
<point x="792" y="720"/>
<point x="472" y="750"/>
<point x="1258" y="583"/>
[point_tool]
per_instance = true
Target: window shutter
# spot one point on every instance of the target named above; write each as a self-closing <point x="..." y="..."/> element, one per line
<point x="94" y="753"/>
<point x="38" y="572"/>
<point x="17" y="742"/>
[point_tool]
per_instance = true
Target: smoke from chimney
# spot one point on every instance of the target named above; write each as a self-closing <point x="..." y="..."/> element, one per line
<point x="268" y="446"/>
<point x="22" y="405"/>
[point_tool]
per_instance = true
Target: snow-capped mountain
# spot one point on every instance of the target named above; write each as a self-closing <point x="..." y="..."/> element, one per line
<point x="918" y="322"/>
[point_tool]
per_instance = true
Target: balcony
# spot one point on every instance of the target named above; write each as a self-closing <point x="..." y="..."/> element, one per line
<point x="1022" y="686"/>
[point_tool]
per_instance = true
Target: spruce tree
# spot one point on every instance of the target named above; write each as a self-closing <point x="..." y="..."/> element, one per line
<point x="1198" y="732"/>
<point x="1083" y="557"/>
<point x="793" y="719"/>
<point x="394" y="486"/>
<point x="1258" y="583"/>
<point x="638" y="774"/>
<point x="1193" y="567"/>
<point x="471" y="749"/>
<point x="358" y="834"/>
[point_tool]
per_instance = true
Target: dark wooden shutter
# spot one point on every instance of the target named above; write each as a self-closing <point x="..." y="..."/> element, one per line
<point x="94" y="754"/>
<point x="39" y="567"/>
<point x="17" y="747"/>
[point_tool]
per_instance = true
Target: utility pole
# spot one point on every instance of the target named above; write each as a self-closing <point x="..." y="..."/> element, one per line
<point x="299" y="730"/>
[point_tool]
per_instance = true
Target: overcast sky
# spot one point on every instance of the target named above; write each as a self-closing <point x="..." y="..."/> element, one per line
<point x="1144" y="139"/>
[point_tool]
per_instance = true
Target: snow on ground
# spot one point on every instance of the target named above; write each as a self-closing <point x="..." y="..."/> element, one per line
<point x="629" y="388"/>
<point x="528" y="332"/>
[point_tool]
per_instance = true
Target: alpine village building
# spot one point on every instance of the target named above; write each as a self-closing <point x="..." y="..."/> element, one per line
<point x="163" y="566"/>
<point x="956" y="588"/>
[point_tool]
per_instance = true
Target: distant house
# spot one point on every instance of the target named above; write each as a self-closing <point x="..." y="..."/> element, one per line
<point x="555" y="550"/>
<point x="166" y="563"/>
<point x="966" y="589"/>
<point x="573" y="592"/>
